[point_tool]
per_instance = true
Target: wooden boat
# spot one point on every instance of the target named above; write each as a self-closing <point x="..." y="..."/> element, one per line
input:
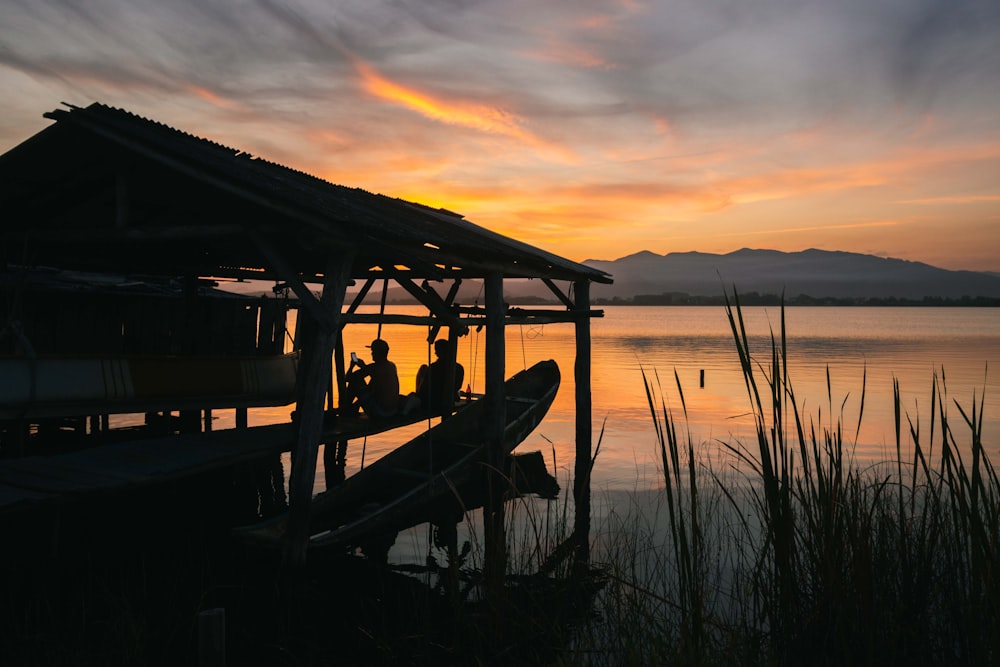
<point x="59" y="386"/>
<point x="434" y="477"/>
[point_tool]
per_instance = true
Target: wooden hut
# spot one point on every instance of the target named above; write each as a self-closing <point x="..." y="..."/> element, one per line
<point x="115" y="226"/>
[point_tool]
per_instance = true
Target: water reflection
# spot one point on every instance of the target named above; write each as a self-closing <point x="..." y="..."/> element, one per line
<point x="860" y="349"/>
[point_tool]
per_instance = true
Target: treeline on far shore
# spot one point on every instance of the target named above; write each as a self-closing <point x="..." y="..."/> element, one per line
<point x="757" y="299"/>
<point x="749" y="299"/>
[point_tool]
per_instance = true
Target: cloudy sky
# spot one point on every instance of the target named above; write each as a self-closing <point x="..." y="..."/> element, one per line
<point x="593" y="129"/>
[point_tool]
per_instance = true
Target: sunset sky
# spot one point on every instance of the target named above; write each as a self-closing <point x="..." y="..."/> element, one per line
<point x="591" y="129"/>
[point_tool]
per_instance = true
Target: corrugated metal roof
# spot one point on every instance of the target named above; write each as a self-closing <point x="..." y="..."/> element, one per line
<point x="105" y="189"/>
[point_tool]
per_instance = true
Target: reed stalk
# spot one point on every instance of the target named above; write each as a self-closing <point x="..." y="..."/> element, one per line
<point x="682" y="514"/>
<point x="807" y="559"/>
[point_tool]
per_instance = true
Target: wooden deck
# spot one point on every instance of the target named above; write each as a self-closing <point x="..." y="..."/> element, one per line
<point x="34" y="480"/>
<point x="114" y="467"/>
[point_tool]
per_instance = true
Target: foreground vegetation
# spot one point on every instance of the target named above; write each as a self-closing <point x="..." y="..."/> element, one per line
<point x="783" y="553"/>
<point x="794" y="556"/>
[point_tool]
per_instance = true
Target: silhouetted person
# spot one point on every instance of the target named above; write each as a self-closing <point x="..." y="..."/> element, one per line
<point x="437" y="391"/>
<point x="374" y="387"/>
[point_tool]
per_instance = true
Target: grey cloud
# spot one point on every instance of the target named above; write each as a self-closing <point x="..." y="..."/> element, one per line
<point x="948" y="47"/>
<point x="768" y="63"/>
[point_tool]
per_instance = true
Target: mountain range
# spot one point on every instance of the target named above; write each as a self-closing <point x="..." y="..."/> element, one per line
<point x="816" y="273"/>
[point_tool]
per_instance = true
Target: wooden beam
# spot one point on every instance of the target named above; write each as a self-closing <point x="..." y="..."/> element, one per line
<point x="448" y="301"/>
<point x="449" y="376"/>
<point x="476" y="315"/>
<point x="315" y="371"/>
<point x="333" y="461"/>
<point x="493" y="425"/>
<point x="390" y="318"/>
<point x="559" y="293"/>
<point x="572" y="315"/>
<point x="360" y="296"/>
<point x="284" y="271"/>
<point x="526" y="316"/>
<point x="431" y="300"/>
<point x="466" y="322"/>
<point x="584" y="434"/>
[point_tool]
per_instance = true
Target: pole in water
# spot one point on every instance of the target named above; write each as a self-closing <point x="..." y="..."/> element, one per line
<point x="701" y="378"/>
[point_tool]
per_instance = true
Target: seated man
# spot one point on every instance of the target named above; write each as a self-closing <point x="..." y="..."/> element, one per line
<point x="373" y="387"/>
<point x="436" y="393"/>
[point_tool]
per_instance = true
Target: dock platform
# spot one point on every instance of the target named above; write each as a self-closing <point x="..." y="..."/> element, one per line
<point x="48" y="479"/>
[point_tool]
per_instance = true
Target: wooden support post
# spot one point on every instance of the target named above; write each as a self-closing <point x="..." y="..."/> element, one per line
<point x="584" y="433"/>
<point x="493" y="424"/>
<point x="450" y="370"/>
<point x="335" y="452"/>
<point x="315" y="369"/>
<point x="212" y="638"/>
<point x="341" y="376"/>
<point x="448" y="301"/>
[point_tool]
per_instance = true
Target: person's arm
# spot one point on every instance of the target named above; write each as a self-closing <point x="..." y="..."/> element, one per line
<point x="362" y="371"/>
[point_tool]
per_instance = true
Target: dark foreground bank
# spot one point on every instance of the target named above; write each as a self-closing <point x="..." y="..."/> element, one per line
<point x="141" y="581"/>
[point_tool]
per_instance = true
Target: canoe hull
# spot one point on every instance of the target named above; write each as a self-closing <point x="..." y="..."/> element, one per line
<point x="430" y="478"/>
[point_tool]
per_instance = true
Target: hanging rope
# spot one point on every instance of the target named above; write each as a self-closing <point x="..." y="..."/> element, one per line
<point x="524" y="357"/>
<point x="474" y="349"/>
<point x="473" y="358"/>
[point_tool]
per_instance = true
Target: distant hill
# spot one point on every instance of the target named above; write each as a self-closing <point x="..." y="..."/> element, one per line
<point x="817" y="273"/>
<point x="820" y="274"/>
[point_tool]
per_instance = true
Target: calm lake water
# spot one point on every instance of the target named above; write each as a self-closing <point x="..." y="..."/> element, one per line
<point x="861" y="348"/>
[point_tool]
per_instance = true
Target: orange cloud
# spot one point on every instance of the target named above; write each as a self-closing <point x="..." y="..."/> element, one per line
<point x="796" y="182"/>
<point x="464" y="114"/>
<point x="324" y="136"/>
<point x="973" y="199"/>
<point x="212" y="98"/>
<point x="814" y="228"/>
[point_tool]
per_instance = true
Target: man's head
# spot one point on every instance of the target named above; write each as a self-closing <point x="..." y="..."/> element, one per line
<point x="442" y="348"/>
<point x="379" y="348"/>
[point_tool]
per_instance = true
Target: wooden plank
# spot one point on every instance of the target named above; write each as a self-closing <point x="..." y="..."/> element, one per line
<point x="119" y="466"/>
<point x="36" y="476"/>
<point x="55" y="474"/>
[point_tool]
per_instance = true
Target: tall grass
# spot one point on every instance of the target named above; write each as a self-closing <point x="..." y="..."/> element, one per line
<point x="793" y="555"/>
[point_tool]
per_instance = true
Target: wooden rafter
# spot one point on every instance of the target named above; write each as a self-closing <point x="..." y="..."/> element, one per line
<point x="285" y="272"/>
<point x="559" y="293"/>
